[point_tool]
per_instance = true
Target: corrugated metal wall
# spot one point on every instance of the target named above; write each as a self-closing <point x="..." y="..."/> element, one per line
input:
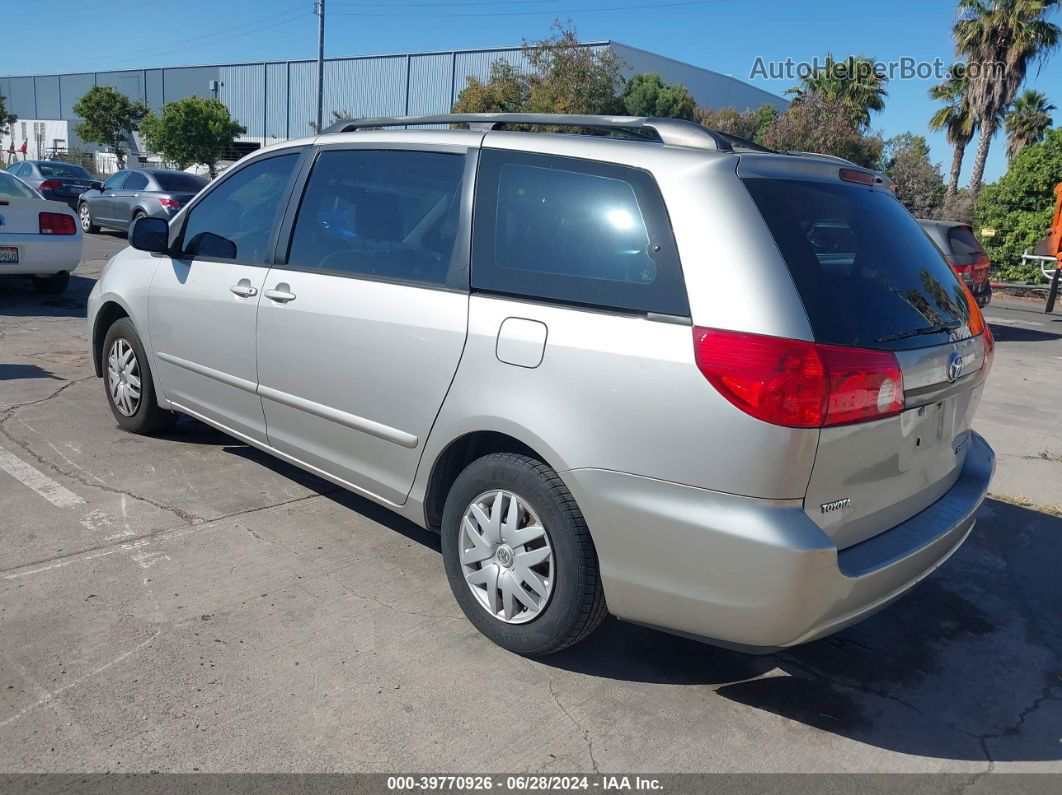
<point x="275" y="101"/>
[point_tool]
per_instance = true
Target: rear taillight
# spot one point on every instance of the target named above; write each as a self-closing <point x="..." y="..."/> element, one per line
<point x="51" y="184"/>
<point x="990" y="351"/>
<point x="975" y="321"/>
<point x="796" y="383"/>
<point x="56" y="224"/>
<point x="170" y="204"/>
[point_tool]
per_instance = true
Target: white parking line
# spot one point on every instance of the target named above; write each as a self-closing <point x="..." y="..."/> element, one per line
<point x="57" y="494"/>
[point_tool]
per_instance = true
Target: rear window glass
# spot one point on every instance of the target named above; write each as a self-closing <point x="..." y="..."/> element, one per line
<point x="576" y="231"/>
<point x="963" y="243"/>
<point x="13" y="188"/>
<point x="185" y="183"/>
<point x="55" y="168"/>
<point x="865" y="270"/>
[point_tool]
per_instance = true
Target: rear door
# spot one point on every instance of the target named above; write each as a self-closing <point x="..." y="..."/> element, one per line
<point x="870" y="278"/>
<point x="361" y="328"/>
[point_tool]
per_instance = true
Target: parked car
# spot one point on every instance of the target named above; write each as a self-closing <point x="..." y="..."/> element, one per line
<point x="55" y="180"/>
<point x="960" y="247"/>
<point x="38" y="238"/>
<point x="631" y="384"/>
<point x="137" y="193"/>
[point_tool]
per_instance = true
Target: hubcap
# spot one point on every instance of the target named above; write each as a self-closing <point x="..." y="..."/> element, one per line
<point x="85" y="218"/>
<point x="123" y="377"/>
<point x="506" y="557"/>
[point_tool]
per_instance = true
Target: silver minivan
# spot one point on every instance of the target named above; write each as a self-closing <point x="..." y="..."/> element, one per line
<point x="657" y="372"/>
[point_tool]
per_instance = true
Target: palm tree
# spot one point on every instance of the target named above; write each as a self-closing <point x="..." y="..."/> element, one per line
<point x="1027" y="121"/>
<point x="956" y="119"/>
<point x="999" y="39"/>
<point x="855" y="82"/>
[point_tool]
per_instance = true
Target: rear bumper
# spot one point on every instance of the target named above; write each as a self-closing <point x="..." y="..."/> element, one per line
<point x="757" y="574"/>
<point x="41" y="254"/>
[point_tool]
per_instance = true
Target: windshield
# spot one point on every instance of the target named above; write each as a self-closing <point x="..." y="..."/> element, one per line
<point x="866" y="272"/>
<point x="55" y="168"/>
<point x="182" y="183"/>
<point x="14" y="188"/>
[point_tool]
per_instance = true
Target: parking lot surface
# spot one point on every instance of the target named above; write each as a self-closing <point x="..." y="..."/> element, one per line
<point x="186" y="603"/>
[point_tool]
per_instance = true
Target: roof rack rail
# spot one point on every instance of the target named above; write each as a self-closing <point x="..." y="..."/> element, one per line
<point x="673" y="132"/>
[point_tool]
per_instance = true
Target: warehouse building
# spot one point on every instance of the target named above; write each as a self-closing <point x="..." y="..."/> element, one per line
<point x="277" y="100"/>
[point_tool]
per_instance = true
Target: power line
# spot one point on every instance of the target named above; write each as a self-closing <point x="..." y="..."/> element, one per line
<point x="180" y="48"/>
<point x="638" y="7"/>
<point x="440" y="5"/>
<point x="184" y="43"/>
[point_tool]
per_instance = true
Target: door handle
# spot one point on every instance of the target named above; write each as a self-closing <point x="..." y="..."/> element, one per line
<point x="243" y="289"/>
<point x="280" y="294"/>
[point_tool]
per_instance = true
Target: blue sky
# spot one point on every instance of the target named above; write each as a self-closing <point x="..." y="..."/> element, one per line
<point x="724" y="35"/>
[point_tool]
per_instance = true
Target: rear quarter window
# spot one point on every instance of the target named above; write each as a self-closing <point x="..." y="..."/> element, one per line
<point x="867" y="274"/>
<point x="576" y="231"/>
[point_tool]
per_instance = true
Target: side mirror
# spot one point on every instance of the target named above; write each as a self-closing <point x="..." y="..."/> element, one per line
<point x="150" y="234"/>
<point x="96" y="186"/>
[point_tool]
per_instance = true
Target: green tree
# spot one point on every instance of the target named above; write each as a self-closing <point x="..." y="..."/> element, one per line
<point x="1000" y="39"/>
<point x="955" y="117"/>
<point x="1019" y="206"/>
<point x="748" y="124"/>
<point x="6" y="119"/>
<point x="505" y="91"/>
<point x="826" y="126"/>
<point x="646" y="94"/>
<point x="855" y="82"/>
<point x="919" y="183"/>
<point x="109" y="117"/>
<point x="564" y="77"/>
<point x="191" y="130"/>
<point x="1027" y="121"/>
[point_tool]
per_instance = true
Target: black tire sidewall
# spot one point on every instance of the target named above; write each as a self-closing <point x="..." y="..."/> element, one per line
<point x="518" y="474"/>
<point x="148" y="413"/>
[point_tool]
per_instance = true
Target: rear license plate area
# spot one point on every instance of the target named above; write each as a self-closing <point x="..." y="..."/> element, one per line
<point x="8" y="255"/>
<point x="925" y="430"/>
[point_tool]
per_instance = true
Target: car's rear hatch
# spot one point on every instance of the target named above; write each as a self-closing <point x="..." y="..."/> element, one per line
<point x="967" y="257"/>
<point x="22" y="216"/>
<point x="870" y="279"/>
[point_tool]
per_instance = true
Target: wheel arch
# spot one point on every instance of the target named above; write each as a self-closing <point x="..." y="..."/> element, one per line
<point x="110" y="312"/>
<point x="462" y="451"/>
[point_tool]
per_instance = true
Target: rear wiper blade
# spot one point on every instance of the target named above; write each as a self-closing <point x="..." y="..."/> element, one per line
<point x="951" y="325"/>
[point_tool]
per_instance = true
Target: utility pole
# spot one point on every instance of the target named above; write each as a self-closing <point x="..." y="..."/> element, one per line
<point x="319" y="10"/>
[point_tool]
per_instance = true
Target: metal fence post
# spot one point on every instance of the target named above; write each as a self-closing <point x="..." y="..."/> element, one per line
<point x="1052" y="293"/>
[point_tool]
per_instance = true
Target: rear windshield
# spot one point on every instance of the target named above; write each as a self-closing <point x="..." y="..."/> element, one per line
<point x="59" y="169"/>
<point x="865" y="270"/>
<point x="183" y="183"/>
<point x="14" y="188"/>
<point x="963" y="243"/>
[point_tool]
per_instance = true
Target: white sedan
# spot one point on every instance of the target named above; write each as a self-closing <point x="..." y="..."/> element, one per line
<point x="38" y="238"/>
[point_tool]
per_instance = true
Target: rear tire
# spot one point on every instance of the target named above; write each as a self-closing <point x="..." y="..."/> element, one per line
<point x="539" y="620"/>
<point x="52" y="285"/>
<point x="128" y="383"/>
<point x="86" y="219"/>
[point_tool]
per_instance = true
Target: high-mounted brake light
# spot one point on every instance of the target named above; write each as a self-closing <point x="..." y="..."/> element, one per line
<point x="51" y="184"/>
<point x="796" y="383"/>
<point x="856" y="175"/>
<point x="56" y="224"/>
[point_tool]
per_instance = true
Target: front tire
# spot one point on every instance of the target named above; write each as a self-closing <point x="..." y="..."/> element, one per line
<point x="51" y="285"/>
<point x="86" y="219"/>
<point x="128" y="382"/>
<point x="519" y="557"/>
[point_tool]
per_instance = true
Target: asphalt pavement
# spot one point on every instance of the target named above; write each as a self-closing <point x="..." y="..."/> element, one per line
<point x="186" y="603"/>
